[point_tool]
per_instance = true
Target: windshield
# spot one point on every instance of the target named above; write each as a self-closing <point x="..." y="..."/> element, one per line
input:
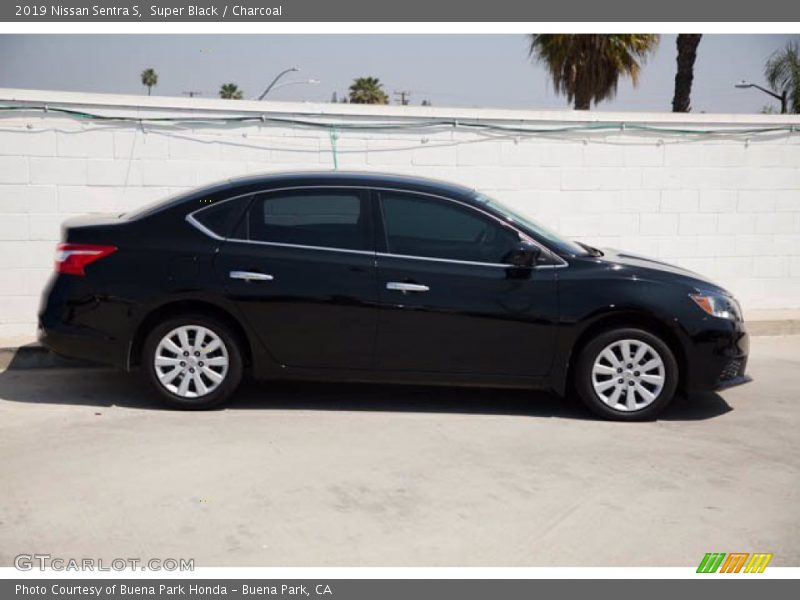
<point x="555" y="241"/>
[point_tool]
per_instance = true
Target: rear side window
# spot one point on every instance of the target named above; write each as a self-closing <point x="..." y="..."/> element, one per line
<point x="221" y="217"/>
<point x="333" y="219"/>
<point x="433" y="228"/>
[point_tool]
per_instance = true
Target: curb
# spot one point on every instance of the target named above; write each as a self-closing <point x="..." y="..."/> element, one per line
<point x="773" y="327"/>
<point x="36" y="356"/>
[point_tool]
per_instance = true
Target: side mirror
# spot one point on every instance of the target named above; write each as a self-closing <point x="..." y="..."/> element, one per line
<point x="524" y="256"/>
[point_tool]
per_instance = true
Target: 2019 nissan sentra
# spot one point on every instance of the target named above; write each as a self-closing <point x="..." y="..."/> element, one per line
<point x="372" y="277"/>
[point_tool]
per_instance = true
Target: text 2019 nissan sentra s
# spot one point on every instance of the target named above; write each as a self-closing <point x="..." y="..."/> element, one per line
<point x="368" y="277"/>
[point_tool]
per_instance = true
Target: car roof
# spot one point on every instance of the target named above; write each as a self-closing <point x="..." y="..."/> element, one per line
<point x="349" y="178"/>
<point x="288" y="179"/>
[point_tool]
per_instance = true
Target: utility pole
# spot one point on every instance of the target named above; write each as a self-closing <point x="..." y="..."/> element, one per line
<point x="192" y="93"/>
<point x="405" y="97"/>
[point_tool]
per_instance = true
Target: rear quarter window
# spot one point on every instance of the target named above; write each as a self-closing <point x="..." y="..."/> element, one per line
<point x="221" y="216"/>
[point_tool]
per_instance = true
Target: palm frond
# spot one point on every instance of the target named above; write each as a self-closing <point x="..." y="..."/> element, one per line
<point x="587" y="67"/>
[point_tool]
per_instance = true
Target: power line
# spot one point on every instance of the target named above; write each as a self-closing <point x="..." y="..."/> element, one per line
<point x="465" y="124"/>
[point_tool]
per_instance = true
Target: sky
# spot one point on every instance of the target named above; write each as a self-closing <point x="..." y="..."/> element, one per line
<point x="445" y="69"/>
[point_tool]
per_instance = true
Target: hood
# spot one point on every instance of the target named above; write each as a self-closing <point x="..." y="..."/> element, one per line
<point x="659" y="269"/>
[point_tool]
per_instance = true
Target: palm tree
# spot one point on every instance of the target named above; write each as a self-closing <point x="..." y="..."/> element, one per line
<point x="368" y="90"/>
<point x="230" y="91"/>
<point x="587" y="67"/>
<point x="149" y="79"/>
<point x="687" y="53"/>
<point x="782" y="72"/>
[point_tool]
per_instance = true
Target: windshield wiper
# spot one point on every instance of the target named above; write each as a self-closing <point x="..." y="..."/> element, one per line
<point x="591" y="249"/>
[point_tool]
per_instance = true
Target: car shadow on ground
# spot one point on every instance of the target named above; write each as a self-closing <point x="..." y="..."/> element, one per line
<point x="108" y="387"/>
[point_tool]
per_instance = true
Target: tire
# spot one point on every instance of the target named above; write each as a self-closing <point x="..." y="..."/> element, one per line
<point x="607" y="391"/>
<point x="211" y="377"/>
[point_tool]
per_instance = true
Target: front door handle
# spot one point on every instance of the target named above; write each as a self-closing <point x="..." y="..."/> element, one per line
<point x="406" y="287"/>
<point x="251" y="276"/>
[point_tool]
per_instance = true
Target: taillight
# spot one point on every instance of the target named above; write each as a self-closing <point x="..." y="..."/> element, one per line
<point x="73" y="258"/>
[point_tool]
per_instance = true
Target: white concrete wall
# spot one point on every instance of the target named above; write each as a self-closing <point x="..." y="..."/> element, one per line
<point x="726" y="206"/>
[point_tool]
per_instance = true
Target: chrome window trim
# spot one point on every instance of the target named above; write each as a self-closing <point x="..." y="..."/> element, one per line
<point x="202" y="228"/>
<point x="198" y="225"/>
<point x="190" y="218"/>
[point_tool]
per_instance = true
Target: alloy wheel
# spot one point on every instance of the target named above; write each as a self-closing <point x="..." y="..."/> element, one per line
<point x="191" y="361"/>
<point x="628" y="375"/>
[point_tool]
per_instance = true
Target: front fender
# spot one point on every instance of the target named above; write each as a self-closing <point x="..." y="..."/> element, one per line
<point x="651" y="305"/>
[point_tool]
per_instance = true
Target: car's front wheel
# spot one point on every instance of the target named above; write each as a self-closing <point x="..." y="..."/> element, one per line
<point x="193" y="362"/>
<point x="626" y="374"/>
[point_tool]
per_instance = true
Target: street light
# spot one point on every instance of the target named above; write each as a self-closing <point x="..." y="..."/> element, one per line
<point x="782" y="97"/>
<point x="294" y="82"/>
<point x="277" y="77"/>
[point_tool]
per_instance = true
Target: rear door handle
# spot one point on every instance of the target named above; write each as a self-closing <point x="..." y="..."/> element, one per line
<point x="251" y="276"/>
<point x="406" y="287"/>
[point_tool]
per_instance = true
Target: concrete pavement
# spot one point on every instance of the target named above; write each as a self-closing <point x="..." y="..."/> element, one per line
<point x="313" y="474"/>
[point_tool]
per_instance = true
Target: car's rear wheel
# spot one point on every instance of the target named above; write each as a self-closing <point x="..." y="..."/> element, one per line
<point x="626" y="374"/>
<point x="194" y="361"/>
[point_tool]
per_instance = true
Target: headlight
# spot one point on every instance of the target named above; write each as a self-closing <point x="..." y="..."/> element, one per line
<point x="717" y="305"/>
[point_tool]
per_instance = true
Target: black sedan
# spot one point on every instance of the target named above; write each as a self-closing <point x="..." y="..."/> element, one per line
<point x="372" y="277"/>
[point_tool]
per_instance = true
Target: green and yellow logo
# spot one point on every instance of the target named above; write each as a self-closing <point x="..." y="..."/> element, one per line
<point x="735" y="562"/>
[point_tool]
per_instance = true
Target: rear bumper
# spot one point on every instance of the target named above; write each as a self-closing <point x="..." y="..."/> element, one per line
<point x="69" y="325"/>
<point x="81" y="344"/>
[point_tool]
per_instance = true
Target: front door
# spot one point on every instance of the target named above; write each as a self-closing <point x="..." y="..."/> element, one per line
<point x="302" y="271"/>
<point x="449" y="302"/>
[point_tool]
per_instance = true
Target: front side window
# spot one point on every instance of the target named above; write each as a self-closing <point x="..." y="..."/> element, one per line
<point x="553" y="239"/>
<point x="334" y="219"/>
<point x="433" y="228"/>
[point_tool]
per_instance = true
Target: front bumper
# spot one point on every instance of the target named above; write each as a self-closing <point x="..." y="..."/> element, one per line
<point x="716" y="356"/>
<point x="729" y="383"/>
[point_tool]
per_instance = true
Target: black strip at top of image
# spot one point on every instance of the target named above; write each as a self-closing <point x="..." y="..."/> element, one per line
<point x="408" y="10"/>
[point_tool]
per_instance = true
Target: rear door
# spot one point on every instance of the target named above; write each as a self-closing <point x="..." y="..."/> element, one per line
<point x="449" y="302"/>
<point x="301" y="267"/>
